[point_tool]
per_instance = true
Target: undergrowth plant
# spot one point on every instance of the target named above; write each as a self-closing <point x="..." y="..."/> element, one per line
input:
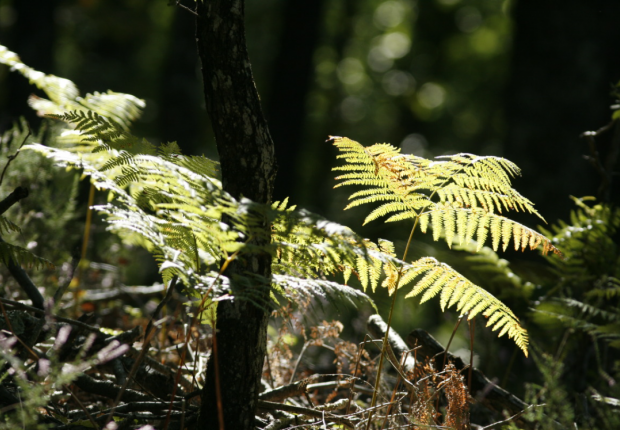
<point x="174" y="206"/>
<point x="575" y="307"/>
<point x="460" y="197"/>
<point x="580" y="312"/>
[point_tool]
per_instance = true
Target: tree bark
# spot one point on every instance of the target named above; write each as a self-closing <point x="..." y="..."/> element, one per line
<point x="248" y="169"/>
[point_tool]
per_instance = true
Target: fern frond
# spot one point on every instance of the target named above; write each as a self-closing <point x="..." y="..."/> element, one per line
<point x="607" y="288"/>
<point x="296" y="288"/>
<point x="456" y="290"/>
<point x="7" y="225"/>
<point x="609" y="332"/>
<point x="470" y="189"/>
<point x="307" y="245"/>
<point x="450" y="220"/>
<point x="64" y="95"/>
<point x="104" y="134"/>
<point x="22" y="256"/>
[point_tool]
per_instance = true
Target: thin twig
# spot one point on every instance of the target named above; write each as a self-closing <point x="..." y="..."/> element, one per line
<point x="75" y="261"/>
<point x="19" y="305"/>
<point x="81" y="405"/>
<point x="445" y="351"/>
<point x="218" y="391"/>
<point x="178" y="3"/>
<point x="472" y="331"/>
<point x="12" y="157"/>
<point x="148" y="335"/>
<point x="270" y="406"/>
<point x="507" y="420"/>
<point x="395" y="364"/>
<point x="301" y="353"/>
<point x="357" y="363"/>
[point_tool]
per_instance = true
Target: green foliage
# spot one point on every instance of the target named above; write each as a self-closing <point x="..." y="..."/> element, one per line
<point x="38" y="223"/>
<point x="586" y="294"/>
<point x="64" y="95"/>
<point x="173" y="206"/>
<point x="17" y="254"/>
<point x="35" y="382"/>
<point x="552" y="402"/>
<point x="590" y="268"/>
<point x="458" y="196"/>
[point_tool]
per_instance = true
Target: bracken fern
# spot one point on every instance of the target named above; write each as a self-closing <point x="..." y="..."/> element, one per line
<point x="460" y="197"/>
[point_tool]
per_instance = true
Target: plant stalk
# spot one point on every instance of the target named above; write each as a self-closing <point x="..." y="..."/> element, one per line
<point x="389" y="325"/>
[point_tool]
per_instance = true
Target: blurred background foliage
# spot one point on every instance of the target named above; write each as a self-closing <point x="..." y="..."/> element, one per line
<point x="519" y="79"/>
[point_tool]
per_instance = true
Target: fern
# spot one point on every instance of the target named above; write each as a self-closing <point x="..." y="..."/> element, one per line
<point x="18" y="255"/>
<point x="470" y="190"/>
<point x="460" y="197"/>
<point x="173" y="206"/>
<point x="7" y="225"/>
<point x="64" y="95"/>
<point x="586" y="290"/>
<point x="295" y="289"/>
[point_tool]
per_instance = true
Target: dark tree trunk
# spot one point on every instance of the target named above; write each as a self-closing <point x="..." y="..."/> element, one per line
<point x="565" y="61"/>
<point x="291" y="79"/>
<point x="248" y="169"/>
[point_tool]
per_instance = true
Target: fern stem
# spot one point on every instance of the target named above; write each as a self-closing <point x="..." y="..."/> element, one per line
<point x="415" y="224"/>
<point x="80" y="269"/>
<point x="389" y="325"/>
<point x="456" y="327"/>
<point x="472" y="332"/>
<point x="89" y="218"/>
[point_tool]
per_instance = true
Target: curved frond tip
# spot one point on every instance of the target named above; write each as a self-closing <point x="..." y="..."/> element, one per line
<point x="456" y="290"/>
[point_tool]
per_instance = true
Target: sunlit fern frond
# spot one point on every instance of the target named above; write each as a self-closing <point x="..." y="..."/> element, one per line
<point x="455" y="290"/>
<point x="181" y="222"/>
<point x="454" y="222"/>
<point x="297" y="289"/>
<point x="481" y="180"/>
<point x="307" y="245"/>
<point x="387" y="176"/>
<point x="64" y="96"/>
<point x="200" y="165"/>
<point x="99" y="133"/>
<point x="470" y="192"/>
<point x="176" y="214"/>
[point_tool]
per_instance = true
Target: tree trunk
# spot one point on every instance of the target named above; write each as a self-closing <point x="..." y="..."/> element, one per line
<point x="248" y="169"/>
